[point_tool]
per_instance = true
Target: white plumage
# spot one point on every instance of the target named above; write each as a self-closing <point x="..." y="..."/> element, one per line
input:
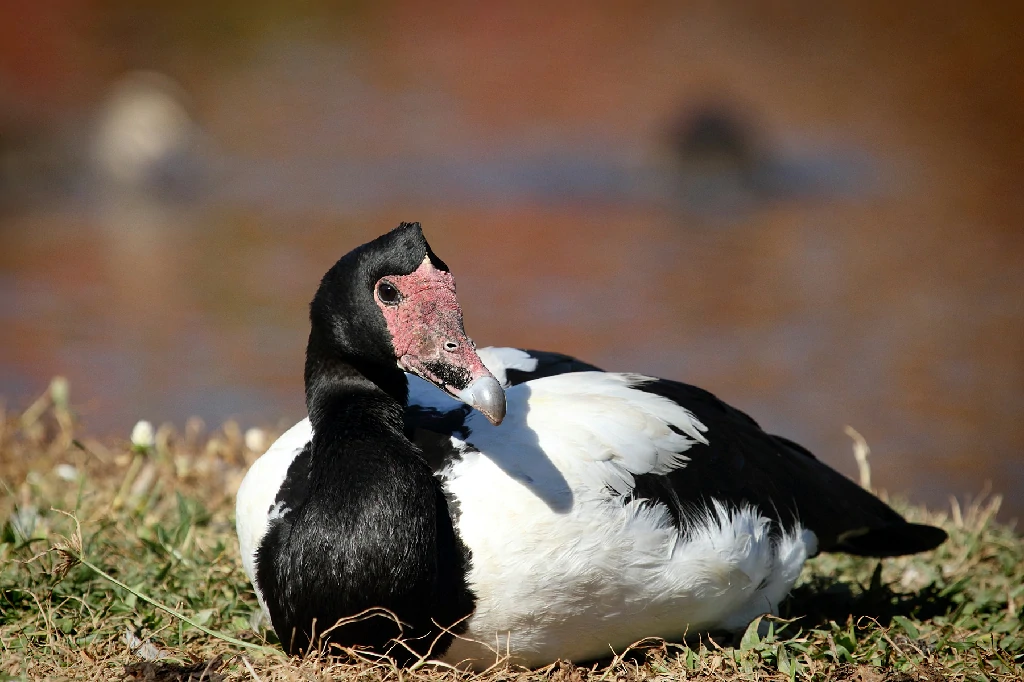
<point x="255" y="504"/>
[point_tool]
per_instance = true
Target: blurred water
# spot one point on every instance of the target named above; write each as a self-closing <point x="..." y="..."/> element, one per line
<point x="816" y="240"/>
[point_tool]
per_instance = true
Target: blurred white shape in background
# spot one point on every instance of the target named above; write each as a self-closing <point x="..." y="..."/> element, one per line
<point x="145" y="138"/>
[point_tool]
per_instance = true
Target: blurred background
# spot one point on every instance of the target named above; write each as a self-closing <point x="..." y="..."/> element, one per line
<point x="812" y="209"/>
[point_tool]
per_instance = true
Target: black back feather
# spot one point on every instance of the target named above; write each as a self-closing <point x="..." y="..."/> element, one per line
<point x="742" y="464"/>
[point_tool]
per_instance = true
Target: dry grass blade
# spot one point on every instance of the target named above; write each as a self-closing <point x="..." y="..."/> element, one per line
<point x="861" y="452"/>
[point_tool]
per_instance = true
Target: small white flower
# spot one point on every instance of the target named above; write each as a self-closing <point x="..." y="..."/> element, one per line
<point x="60" y="392"/>
<point x="66" y="472"/>
<point x="256" y="440"/>
<point x="142" y="435"/>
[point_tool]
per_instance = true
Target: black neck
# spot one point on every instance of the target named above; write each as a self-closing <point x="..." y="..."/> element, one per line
<point x="342" y="393"/>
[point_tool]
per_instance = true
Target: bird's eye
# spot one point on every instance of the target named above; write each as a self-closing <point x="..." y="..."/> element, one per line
<point x="388" y="293"/>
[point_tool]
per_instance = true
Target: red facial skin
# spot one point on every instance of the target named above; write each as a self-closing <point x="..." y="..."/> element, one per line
<point x="426" y="329"/>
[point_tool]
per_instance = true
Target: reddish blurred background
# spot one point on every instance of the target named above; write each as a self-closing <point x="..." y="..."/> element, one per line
<point x="812" y="209"/>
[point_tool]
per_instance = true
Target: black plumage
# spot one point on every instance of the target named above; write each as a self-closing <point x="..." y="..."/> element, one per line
<point x="744" y="465"/>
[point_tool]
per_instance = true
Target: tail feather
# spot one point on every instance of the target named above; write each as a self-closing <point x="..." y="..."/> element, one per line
<point x="742" y="464"/>
<point x="860" y="524"/>
<point x="891" y="540"/>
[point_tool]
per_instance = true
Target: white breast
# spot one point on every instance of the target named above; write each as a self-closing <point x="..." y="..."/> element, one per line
<point x="254" y="503"/>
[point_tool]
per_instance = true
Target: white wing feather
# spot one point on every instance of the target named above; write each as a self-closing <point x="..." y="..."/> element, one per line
<point x="596" y="428"/>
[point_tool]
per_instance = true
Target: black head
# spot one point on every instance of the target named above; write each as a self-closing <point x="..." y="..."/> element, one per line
<point x="388" y="306"/>
<point x="343" y="314"/>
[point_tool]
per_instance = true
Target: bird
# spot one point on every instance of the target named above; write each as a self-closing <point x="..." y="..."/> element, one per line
<point x="461" y="504"/>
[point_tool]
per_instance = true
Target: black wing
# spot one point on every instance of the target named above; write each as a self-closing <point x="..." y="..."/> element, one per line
<point x="743" y="464"/>
<point x="548" y="364"/>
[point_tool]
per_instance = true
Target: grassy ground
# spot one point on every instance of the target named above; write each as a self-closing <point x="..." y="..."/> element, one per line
<point x="76" y="515"/>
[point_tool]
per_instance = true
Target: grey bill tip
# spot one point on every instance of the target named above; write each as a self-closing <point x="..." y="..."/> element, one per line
<point x="487" y="397"/>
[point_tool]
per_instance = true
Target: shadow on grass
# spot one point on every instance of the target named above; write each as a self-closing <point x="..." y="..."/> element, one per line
<point x="825" y="599"/>
<point x="165" y="671"/>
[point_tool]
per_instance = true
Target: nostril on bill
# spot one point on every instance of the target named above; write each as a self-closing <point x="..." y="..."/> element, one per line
<point x="450" y="346"/>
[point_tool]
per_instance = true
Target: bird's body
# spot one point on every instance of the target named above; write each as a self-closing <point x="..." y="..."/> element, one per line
<point x="603" y="509"/>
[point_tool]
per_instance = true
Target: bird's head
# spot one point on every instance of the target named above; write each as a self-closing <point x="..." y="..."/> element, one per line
<point x="391" y="303"/>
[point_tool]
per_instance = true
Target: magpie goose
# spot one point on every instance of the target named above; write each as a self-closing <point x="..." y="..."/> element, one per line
<point x="534" y="505"/>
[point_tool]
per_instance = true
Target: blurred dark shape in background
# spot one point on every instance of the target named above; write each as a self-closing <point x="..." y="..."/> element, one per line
<point x="719" y="153"/>
<point x="726" y="165"/>
<point x="812" y="209"/>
